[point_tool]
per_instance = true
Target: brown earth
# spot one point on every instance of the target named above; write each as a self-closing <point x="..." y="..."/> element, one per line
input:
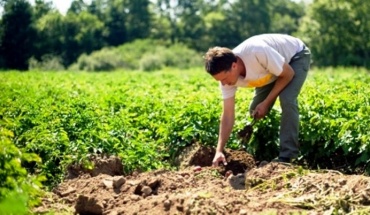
<point x="197" y="188"/>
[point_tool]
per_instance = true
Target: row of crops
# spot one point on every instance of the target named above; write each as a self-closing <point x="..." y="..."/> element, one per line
<point x="51" y="120"/>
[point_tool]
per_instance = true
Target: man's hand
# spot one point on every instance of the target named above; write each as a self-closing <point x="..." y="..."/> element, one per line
<point x="260" y="111"/>
<point x="219" y="157"/>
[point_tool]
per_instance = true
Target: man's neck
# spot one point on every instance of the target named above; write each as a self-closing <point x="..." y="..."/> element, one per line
<point x="241" y="67"/>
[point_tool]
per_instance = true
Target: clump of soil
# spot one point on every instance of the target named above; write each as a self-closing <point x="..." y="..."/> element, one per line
<point x="197" y="188"/>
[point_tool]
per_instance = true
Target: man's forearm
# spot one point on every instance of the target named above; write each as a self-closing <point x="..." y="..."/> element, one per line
<point x="281" y="83"/>
<point x="226" y="126"/>
<point x="278" y="87"/>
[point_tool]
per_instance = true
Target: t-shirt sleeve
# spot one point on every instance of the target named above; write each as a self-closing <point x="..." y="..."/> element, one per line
<point x="227" y="91"/>
<point x="270" y="59"/>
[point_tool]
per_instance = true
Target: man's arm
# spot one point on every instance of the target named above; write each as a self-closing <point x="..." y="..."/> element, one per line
<point x="226" y="126"/>
<point x="227" y="122"/>
<point x="282" y="81"/>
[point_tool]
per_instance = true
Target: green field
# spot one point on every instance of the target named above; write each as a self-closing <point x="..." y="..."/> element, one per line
<point x="50" y="120"/>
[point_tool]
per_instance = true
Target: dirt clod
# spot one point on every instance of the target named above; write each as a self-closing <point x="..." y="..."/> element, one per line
<point x="89" y="205"/>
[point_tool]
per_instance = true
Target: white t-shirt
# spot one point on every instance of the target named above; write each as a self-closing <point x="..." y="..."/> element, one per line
<point x="263" y="56"/>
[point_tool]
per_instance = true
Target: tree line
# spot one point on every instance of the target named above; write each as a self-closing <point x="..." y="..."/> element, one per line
<point x="337" y="31"/>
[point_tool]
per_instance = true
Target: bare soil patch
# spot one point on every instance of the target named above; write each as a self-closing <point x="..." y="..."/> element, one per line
<point x="197" y="188"/>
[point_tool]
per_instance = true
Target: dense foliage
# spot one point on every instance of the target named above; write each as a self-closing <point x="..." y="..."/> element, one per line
<point x="18" y="189"/>
<point x="32" y="34"/>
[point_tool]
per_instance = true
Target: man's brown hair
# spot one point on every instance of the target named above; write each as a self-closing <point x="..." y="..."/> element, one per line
<point x="218" y="59"/>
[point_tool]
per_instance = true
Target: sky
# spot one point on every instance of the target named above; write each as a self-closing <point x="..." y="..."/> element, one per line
<point x="62" y="5"/>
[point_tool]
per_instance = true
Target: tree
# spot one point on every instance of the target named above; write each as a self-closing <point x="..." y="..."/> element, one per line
<point x="249" y="17"/>
<point x="98" y="8"/>
<point x="42" y="8"/>
<point x="167" y="11"/>
<point x="50" y="34"/>
<point x="181" y="21"/>
<point x="68" y="36"/>
<point x="138" y="19"/>
<point x="231" y="22"/>
<point x="191" y="23"/>
<point x="83" y="33"/>
<point x="219" y="28"/>
<point x="77" y="6"/>
<point x="18" y="34"/>
<point x="115" y="22"/>
<point x="338" y="32"/>
<point x="286" y="15"/>
<point x="113" y="14"/>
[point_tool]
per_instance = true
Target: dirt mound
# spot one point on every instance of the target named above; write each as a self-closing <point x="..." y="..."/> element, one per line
<point x="197" y="155"/>
<point x="99" y="165"/>
<point x="197" y="188"/>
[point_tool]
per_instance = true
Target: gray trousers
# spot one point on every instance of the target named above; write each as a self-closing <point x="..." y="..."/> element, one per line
<point x="289" y="123"/>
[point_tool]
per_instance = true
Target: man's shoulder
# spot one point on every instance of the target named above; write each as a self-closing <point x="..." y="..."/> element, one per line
<point x="250" y="47"/>
<point x="272" y="36"/>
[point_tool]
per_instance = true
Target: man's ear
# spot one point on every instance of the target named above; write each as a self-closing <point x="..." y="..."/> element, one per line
<point x="234" y="65"/>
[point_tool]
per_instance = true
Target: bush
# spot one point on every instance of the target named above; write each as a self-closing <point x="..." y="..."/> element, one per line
<point x="151" y="62"/>
<point x="181" y="57"/>
<point x="175" y="56"/>
<point x="107" y="59"/>
<point x="47" y="63"/>
<point x="145" y="55"/>
<point x="134" y="51"/>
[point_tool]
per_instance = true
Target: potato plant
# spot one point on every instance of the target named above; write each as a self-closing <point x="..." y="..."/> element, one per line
<point x="147" y="118"/>
<point x="335" y="110"/>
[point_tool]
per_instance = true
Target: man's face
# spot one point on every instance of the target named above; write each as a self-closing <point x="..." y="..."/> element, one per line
<point x="228" y="77"/>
